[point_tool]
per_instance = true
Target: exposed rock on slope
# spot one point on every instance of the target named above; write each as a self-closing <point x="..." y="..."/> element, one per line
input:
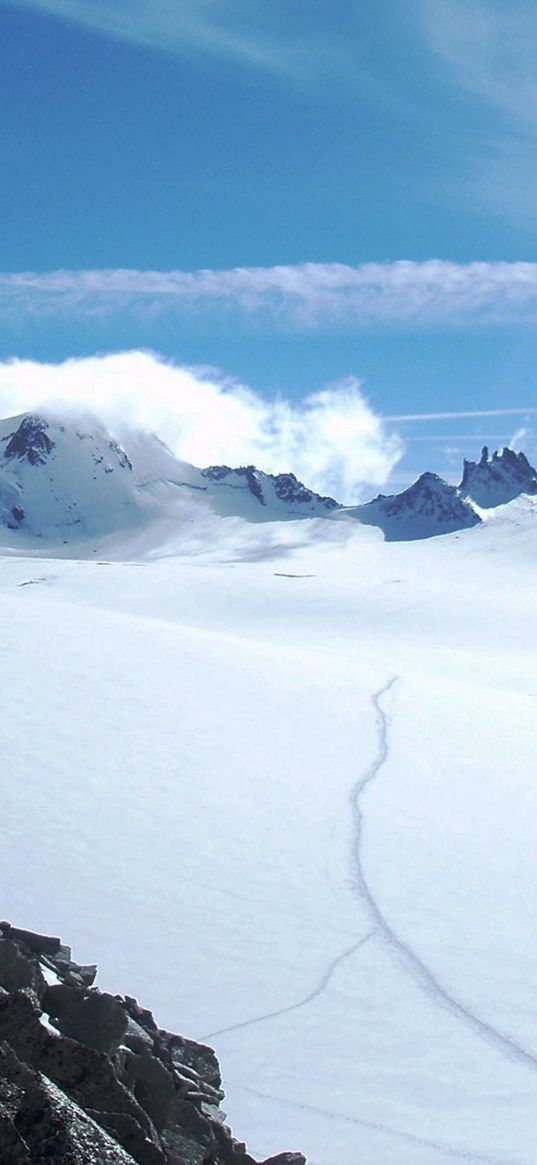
<point x="279" y="491"/>
<point x="65" y="479"/>
<point x="428" y="507"/>
<point x="493" y="481"/>
<point x="30" y="442"/>
<point x="62" y="479"/>
<point x="88" y="1078"/>
<point x="71" y="480"/>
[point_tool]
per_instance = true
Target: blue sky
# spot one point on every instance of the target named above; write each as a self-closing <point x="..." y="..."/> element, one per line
<point x="356" y="182"/>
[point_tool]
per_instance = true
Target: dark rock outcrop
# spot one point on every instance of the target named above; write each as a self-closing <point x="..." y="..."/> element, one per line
<point x="30" y="441"/>
<point x="498" y="479"/>
<point x="264" y="487"/>
<point x="288" y="488"/>
<point x="88" y="1078"/>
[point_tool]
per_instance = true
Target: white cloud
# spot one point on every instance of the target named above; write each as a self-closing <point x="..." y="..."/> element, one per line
<point x="332" y="440"/>
<point x="300" y="297"/>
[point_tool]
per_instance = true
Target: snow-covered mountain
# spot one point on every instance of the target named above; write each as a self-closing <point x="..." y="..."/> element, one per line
<point x="428" y="507"/>
<point x="70" y="479"/>
<point x="64" y="479"/>
<point x="497" y="479"/>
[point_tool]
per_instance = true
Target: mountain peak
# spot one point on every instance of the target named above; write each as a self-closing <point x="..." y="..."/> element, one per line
<point x="428" y="507"/>
<point x="56" y="475"/>
<point x="497" y="479"/>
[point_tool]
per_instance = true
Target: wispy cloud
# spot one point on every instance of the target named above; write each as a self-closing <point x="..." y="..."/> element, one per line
<point x="518" y="411"/>
<point x="490" y="48"/>
<point x="473" y="438"/>
<point x="332" y="440"/>
<point x="306" y="296"/>
<point x="257" y="34"/>
<point x="488" y="52"/>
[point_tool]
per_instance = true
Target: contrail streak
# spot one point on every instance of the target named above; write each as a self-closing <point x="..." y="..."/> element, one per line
<point x="519" y="411"/>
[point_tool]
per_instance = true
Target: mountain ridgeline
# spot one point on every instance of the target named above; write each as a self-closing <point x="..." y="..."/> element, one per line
<point x="63" y="481"/>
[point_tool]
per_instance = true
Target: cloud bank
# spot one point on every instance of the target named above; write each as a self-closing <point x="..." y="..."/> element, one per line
<point x="332" y="440"/>
<point x="302" y="297"/>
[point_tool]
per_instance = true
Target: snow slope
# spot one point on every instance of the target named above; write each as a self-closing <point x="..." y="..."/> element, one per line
<point x="244" y="492"/>
<point x="64" y="480"/>
<point x="306" y="757"/>
<point x="430" y="506"/>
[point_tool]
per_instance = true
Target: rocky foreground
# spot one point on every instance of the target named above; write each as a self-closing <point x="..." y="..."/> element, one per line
<point x="87" y="1078"/>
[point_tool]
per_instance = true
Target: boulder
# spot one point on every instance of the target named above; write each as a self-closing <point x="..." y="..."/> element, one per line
<point x="152" y="1085"/>
<point x="40" y="944"/>
<point x="17" y="972"/>
<point x="93" y="1018"/>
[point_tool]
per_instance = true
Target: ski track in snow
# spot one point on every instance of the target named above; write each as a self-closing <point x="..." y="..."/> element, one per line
<point x="420" y="972"/>
<point x="317" y="991"/>
<point x="31" y="582"/>
<point x="379" y="1127"/>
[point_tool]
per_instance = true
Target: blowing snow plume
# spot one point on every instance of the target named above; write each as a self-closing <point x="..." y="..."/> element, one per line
<point x="331" y="439"/>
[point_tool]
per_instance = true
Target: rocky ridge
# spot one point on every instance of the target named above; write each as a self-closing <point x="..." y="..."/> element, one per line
<point x="284" y="487"/>
<point x="429" y="506"/>
<point x="71" y="480"/>
<point x="88" y="1078"/>
<point x="498" y="479"/>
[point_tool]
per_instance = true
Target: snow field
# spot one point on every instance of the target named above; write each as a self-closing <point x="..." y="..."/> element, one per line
<point x="182" y="734"/>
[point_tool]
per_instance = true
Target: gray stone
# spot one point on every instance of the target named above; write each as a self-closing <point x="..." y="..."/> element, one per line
<point x="141" y="1014"/>
<point x="93" y="1018"/>
<point x="183" y="1149"/>
<point x="152" y="1085"/>
<point x="192" y="1055"/>
<point x="77" y="974"/>
<point x="126" y="1130"/>
<point x="13" y="1149"/>
<point x="39" y="944"/>
<point x="56" y="1130"/>
<point x="190" y="1081"/>
<point x="136" y="1038"/>
<point x="16" y="971"/>
<point x="39" y="1124"/>
<point x="285" y="1159"/>
<point x="87" y="1076"/>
